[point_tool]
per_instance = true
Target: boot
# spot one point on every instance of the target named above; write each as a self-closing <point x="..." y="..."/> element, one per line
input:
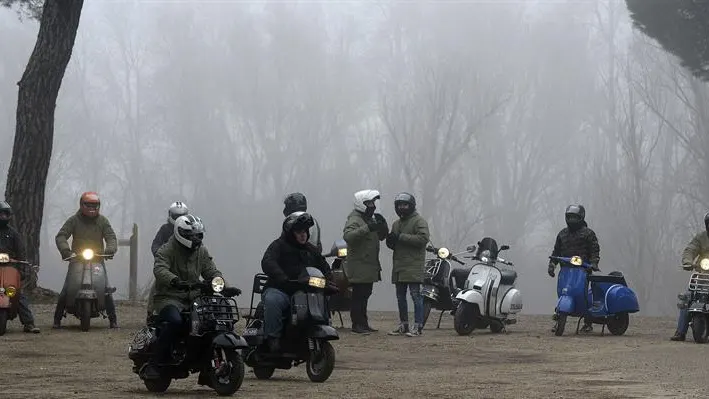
<point x="31" y="328"/>
<point x="678" y="336"/>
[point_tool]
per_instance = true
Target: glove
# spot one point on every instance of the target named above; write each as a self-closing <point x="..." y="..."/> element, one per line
<point x="687" y="266"/>
<point x="237" y="291"/>
<point x="373" y="224"/>
<point x="66" y="254"/>
<point x="550" y="270"/>
<point x="383" y="226"/>
<point x="177" y="283"/>
<point x="392" y="239"/>
<point x="594" y="267"/>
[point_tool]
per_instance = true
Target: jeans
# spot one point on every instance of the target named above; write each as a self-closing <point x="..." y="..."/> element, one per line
<point x="170" y="324"/>
<point x="24" y="311"/>
<point x="358" y="305"/>
<point x="683" y="321"/>
<point x="276" y="306"/>
<point x="61" y="303"/>
<point x="415" y="291"/>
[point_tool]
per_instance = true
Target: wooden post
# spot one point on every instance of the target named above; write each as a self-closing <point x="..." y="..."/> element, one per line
<point x="132" y="242"/>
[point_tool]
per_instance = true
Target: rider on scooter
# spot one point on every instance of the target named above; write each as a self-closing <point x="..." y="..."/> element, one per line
<point x="87" y="229"/>
<point x="296" y="202"/>
<point x="285" y="259"/>
<point x="577" y="239"/>
<point x="11" y="243"/>
<point x="698" y="246"/>
<point x="178" y="263"/>
<point x="166" y="231"/>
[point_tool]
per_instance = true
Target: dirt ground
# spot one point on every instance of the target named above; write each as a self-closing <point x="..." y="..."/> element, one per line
<point x="526" y="362"/>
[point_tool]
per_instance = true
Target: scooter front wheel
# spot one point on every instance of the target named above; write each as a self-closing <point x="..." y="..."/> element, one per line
<point x="227" y="385"/>
<point x="85" y="314"/>
<point x="321" y="363"/>
<point x="560" y="324"/>
<point x="3" y="321"/>
<point x="463" y="320"/>
<point x="700" y="332"/>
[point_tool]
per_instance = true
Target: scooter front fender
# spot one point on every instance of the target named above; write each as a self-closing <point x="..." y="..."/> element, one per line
<point x="471" y="296"/>
<point x="565" y="304"/>
<point x="229" y="341"/>
<point x="323" y="332"/>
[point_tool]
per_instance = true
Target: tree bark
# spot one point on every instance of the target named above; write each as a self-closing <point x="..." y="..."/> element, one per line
<point x="34" y="131"/>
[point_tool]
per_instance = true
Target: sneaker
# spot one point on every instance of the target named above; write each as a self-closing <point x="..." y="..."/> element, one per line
<point x="401" y="330"/>
<point x="31" y="328"/>
<point x="370" y="329"/>
<point x="113" y="324"/>
<point x="360" y="330"/>
<point x="587" y="328"/>
<point x="415" y="332"/>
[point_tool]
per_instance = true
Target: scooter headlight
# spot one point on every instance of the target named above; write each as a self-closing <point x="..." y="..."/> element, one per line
<point x="217" y="284"/>
<point x="317" y="282"/>
<point x="4" y="258"/>
<point x="87" y="254"/>
<point x="342" y="253"/>
<point x="443" y="253"/>
<point x="704" y="264"/>
<point x="11" y="291"/>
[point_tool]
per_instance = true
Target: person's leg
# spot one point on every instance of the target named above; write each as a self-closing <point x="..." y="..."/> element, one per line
<point x="682" y="325"/>
<point x="275" y="307"/>
<point x="367" y="293"/>
<point x="59" y="310"/>
<point x="415" y="290"/>
<point x="403" y="305"/>
<point x="25" y="314"/>
<point x="170" y="322"/>
<point x="150" y="304"/>
<point x="110" y="305"/>
<point x="358" y="307"/>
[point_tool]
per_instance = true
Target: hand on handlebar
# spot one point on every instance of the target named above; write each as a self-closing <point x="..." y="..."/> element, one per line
<point x="180" y="284"/>
<point x="687" y="266"/>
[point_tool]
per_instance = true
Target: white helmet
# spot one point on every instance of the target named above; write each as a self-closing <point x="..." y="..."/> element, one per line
<point x="360" y="197"/>
<point x="176" y="210"/>
<point x="189" y="231"/>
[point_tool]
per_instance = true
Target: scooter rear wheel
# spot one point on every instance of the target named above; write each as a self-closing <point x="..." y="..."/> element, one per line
<point x="618" y="325"/>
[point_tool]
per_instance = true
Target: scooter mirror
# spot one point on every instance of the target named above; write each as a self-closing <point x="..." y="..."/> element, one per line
<point x="470" y="248"/>
<point x="504" y="248"/>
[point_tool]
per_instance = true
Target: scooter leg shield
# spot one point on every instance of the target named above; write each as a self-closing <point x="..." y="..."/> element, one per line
<point x="621" y="299"/>
<point x="471" y="296"/>
<point x="565" y="304"/>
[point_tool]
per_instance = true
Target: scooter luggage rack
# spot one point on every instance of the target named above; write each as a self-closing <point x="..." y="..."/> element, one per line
<point x="218" y="309"/>
<point x="699" y="282"/>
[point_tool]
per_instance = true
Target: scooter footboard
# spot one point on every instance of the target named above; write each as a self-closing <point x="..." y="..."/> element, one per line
<point x="621" y="299"/>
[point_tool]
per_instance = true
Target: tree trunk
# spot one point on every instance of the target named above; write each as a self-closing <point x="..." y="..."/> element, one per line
<point x="34" y="132"/>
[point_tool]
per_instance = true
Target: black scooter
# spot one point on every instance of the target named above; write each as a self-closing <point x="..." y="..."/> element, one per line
<point x="441" y="282"/>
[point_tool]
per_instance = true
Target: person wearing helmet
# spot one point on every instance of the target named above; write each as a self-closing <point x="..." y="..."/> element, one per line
<point x="698" y="247"/>
<point x="11" y="243"/>
<point x="87" y="229"/>
<point x="164" y="233"/>
<point x="577" y="239"/>
<point x="286" y="259"/>
<point x="362" y="232"/>
<point x="408" y="238"/>
<point x="178" y="263"/>
<point x="296" y="202"/>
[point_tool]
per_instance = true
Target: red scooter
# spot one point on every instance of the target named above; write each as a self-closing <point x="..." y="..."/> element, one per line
<point x="11" y="272"/>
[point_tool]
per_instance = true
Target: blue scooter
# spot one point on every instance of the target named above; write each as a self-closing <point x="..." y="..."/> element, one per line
<point x="608" y="301"/>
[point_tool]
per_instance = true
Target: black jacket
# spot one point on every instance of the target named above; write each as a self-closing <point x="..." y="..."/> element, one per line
<point x="12" y="243"/>
<point x="164" y="233"/>
<point x="285" y="260"/>
<point x="581" y="242"/>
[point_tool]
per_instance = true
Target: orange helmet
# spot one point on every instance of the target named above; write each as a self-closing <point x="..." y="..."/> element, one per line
<point x="89" y="204"/>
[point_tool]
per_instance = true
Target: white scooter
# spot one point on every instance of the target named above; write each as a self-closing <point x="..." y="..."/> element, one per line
<point x="489" y="297"/>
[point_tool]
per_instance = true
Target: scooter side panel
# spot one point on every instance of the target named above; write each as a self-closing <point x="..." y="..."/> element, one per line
<point x="620" y="299"/>
<point x="511" y="302"/>
<point x="72" y="283"/>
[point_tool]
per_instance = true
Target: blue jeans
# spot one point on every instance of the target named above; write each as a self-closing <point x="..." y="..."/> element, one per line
<point x="683" y="321"/>
<point x="415" y="291"/>
<point x="276" y="307"/>
<point x="24" y="311"/>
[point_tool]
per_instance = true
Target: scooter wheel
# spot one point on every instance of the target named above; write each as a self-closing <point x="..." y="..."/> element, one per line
<point x="321" y="364"/>
<point x="264" y="373"/>
<point x="560" y="324"/>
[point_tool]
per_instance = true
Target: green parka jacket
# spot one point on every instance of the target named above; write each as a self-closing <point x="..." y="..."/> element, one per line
<point x="86" y="232"/>
<point x="362" y="265"/>
<point x="410" y="248"/>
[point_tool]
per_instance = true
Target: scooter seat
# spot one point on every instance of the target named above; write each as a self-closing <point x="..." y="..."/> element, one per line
<point x="508" y="277"/>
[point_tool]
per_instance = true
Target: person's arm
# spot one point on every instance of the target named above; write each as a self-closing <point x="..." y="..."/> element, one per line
<point x="594" y="249"/>
<point x="691" y="251"/>
<point x="19" y="244"/>
<point x="557" y="250"/>
<point x="62" y="237"/>
<point x="420" y="236"/>
<point x="159" y="240"/>
<point x="354" y="231"/>
<point x="269" y="263"/>
<point x="208" y="268"/>
<point x="110" y="237"/>
<point x="161" y="268"/>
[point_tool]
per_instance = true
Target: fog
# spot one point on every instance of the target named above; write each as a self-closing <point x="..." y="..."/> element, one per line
<point x="495" y="115"/>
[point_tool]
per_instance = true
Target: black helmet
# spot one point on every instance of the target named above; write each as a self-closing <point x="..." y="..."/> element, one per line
<point x="294" y="202"/>
<point x="404" y="198"/>
<point x="298" y="221"/>
<point x="574" y="215"/>
<point x="5" y="213"/>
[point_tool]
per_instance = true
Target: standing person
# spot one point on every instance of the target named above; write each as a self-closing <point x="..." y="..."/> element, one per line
<point x="408" y="238"/>
<point x="164" y="233"/>
<point x="296" y="202"/>
<point x="363" y="231"/>
<point x="577" y="239"/>
<point x="87" y="229"/>
<point x="12" y="244"/>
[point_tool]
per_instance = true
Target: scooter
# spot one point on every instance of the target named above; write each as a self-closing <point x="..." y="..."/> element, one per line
<point x="442" y="282"/>
<point x="608" y="301"/>
<point x="697" y="302"/>
<point x="207" y="343"/>
<point x="86" y="288"/>
<point x="489" y="297"/>
<point x="306" y="334"/>
<point x="340" y="302"/>
<point x="11" y="276"/>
